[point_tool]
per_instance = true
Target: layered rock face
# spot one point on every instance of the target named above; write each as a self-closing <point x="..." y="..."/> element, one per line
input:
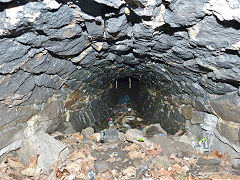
<point x="59" y="60"/>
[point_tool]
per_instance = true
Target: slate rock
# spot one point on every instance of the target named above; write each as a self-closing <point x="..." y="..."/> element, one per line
<point x="227" y="107"/>
<point x="67" y="46"/>
<point x="48" y="148"/>
<point x="224" y="10"/>
<point x="209" y="33"/>
<point x="95" y="29"/>
<point x="190" y="11"/>
<point x="210" y="122"/>
<point x="109" y="135"/>
<point x="50" y="20"/>
<point x="115" y="25"/>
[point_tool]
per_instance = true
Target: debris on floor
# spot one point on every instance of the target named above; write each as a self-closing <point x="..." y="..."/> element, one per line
<point x="147" y="153"/>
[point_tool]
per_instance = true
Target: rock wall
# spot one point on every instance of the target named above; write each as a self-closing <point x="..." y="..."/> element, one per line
<point x="58" y="60"/>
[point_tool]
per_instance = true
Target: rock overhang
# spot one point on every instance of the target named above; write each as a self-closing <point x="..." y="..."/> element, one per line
<point x="63" y="56"/>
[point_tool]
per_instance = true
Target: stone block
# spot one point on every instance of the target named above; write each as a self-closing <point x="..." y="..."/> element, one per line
<point x="49" y="149"/>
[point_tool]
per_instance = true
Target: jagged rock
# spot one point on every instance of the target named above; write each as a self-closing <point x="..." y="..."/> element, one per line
<point x="116" y="25"/>
<point x="210" y="122"/>
<point x="202" y="34"/>
<point x="49" y="149"/>
<point x="95" y="29"/>
<point x="191" y="12"/>
<point x="223" y="9"/>
<point x="227" y="107"/>
<point x="109" y="135"/>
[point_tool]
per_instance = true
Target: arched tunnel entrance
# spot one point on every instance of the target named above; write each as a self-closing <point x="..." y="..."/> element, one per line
<point x="68" y="65"/>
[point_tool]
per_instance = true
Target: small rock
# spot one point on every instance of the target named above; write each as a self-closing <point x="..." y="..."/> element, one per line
<point x="235" y="163"/>
<point x="162" y="162"/>
<point x="109" y="135"/>
<point x="203" y="161"/>
<point x="88" y="131"/>
<point x="134" y="134"/>
<point x="101" y="166"/>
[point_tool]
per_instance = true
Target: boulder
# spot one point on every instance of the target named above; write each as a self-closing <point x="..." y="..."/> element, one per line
<point x="49" y="149"/>
<point x="154" y="129"/>
<point x="88" y="131"/>
<point x="109" y="135"/>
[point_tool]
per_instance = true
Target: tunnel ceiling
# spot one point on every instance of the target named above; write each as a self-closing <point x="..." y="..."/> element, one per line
<point x="54" y="54"/>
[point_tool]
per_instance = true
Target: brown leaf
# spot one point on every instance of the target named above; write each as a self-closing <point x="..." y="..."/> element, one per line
<point x="106" y="175"/>
<point x="14" y="162"/>
<point x="191" y="178"/>
<point x="164" y="172"/>
<point x="113" y="159"/>
<point x="131" y="147"/>
<point x="154" y="152"/>
<point x="60" y="173"/>
<point x="33" y="161"/>
<point x="78" y="136"/>
<point x="130" y="171"/>
<point x="136" y="154"/>
<point x="177" y="168"/>
<point x="218" y="154"/>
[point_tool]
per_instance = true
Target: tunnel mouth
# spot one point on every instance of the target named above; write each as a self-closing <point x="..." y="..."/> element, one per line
<point x="145" y="100"/>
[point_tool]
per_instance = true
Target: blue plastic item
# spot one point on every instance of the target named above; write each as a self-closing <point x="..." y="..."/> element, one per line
<point x="124" y="100"/>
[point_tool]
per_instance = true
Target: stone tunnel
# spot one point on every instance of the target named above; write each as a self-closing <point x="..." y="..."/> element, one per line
<point x="65" y="63"/>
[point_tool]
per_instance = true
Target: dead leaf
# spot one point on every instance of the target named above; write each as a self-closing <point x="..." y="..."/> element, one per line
<point x="177" y="168"/>
<point x="130" y="171"/>
<point x="14" y="162"/>
<point x="180" y="131"/>
<point x="106" y="175"/>
<point x="112" y="159"/>
<point x="218" y="154"/>
<point x="60" y="173"/>
<point x="32" y="169"/>
<point x="131" y="147"/>
<point x="154" y="152"/>
<point x="191" y="178"/>
<point x="78" y="136"/>
<point x="33" y="161"/>
<point x="136" y="154"/>
<point x="164" y="172"/>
